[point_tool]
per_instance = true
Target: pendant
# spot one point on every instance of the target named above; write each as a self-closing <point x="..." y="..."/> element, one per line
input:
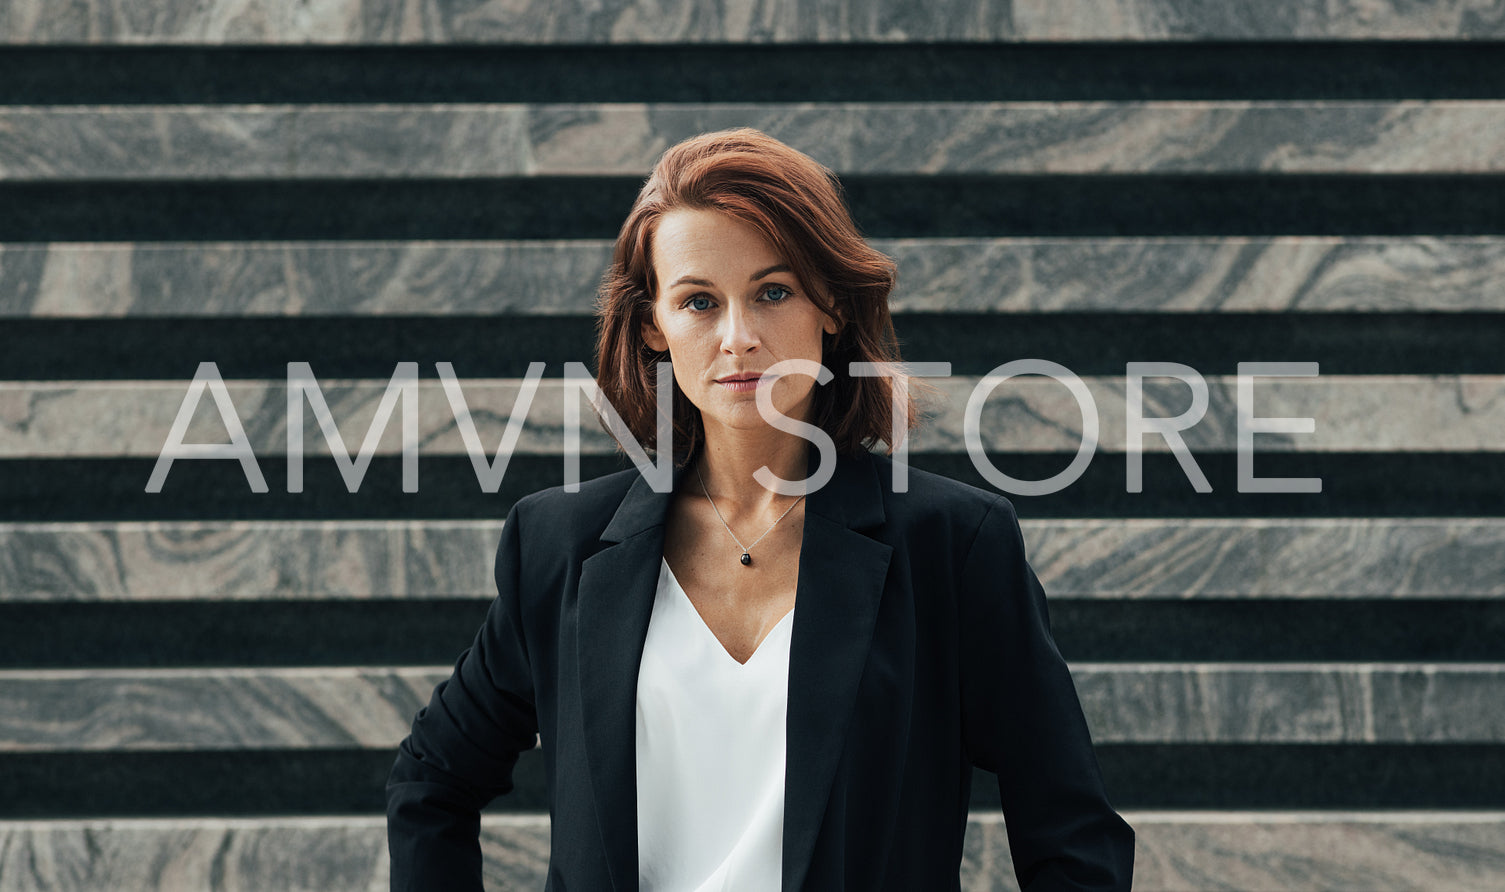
<point x="746" y="559"/>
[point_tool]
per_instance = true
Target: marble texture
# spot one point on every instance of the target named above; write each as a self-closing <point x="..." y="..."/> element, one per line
<point x="1074" y="559"/>
<point x="1285" y="703"/>
<point x="1357" y="413"/>
<point x="118" y="710"/>
<point x="247" y="560"/>
<point x="536" y="278"/>
<point x="1236" y="274"/>
<point x="549" y="278"/>
<point x="1352" y="413"/>
<point x="67" y="143"/>
<point x="113" y="22"/>
<point x="1303" y="851"/>
<point x="282" y="854"/>
<point x="1279" y="558"/>
<point x="135" y="417"/>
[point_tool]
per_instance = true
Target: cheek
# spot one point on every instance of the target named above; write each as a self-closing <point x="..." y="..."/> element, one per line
<point x="816" y="337"/>
<point x="684" y="377"/>
<point x="691" y="351"/>
<point x="684" y="337"/>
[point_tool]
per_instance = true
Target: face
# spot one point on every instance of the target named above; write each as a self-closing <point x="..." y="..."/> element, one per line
<point x="728" y="307"/>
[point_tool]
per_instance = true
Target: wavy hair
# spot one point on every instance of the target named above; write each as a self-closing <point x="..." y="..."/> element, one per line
<point x="798" y="205"/>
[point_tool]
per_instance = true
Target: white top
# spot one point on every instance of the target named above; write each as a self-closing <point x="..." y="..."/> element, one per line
<point x="710" y="754"/>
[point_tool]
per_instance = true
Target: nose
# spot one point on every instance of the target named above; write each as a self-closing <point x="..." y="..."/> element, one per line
<point x="739" y="334"/>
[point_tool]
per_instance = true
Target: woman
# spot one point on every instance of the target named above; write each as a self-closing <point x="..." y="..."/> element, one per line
<point x="750" y="683"/>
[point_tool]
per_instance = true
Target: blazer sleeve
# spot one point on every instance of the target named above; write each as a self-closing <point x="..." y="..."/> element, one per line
<point x="1021" y="720"/>
<point x="463" y="746"/>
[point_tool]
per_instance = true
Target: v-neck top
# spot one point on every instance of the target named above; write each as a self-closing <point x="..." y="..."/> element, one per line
<point x="710" y="753"/>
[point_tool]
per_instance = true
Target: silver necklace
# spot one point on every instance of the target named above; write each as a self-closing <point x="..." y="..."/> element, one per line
<point x="746" y="549"/>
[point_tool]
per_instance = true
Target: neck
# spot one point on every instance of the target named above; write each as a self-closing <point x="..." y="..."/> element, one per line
<point x="728" y="460"/>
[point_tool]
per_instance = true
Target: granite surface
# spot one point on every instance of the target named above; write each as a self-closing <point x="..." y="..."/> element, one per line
<point x="335" y="278"/>
<point x="1174" y="852"/>
<point x="1286" y="851"/>
<point x="1074" y="559"/>
<point x="1254" y="557"/>
<point x="282" y="854"/>
<point x="126" y="418"/>
<point x="114" y="710"/>
<point x="202" y="708"/>
<point x="544" y="278"/>
<point x="303" y="708"/>
<point x="1236" y="274"/>
<point x="1360" y="413"/>
<point x="468" y="140"/>
<point x="731" y="21"/>
<point x="1368" y="413"/>
<point x="235" y="560"/>
<point x="1292" y="702"/>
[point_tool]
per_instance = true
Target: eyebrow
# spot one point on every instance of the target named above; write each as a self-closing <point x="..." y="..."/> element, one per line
<point x="760" y="274"/>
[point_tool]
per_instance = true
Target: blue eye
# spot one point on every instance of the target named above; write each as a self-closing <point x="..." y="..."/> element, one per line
<point x="699" y="302"/>
<point x="777" y="293"/>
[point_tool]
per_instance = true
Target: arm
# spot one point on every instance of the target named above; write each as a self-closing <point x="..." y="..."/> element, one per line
<point x="1021" y="719"/>
<point x="463" y="746"/>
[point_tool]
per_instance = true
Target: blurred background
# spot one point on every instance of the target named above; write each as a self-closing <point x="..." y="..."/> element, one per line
<point x="203" y="687"/>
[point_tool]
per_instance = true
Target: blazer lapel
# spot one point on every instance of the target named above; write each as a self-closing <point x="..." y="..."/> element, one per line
<point x="617" y="586"/>
<point x="841" y="580"/>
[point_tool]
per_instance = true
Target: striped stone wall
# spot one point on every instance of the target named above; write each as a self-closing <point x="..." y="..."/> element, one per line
<point x="202" y="687"/>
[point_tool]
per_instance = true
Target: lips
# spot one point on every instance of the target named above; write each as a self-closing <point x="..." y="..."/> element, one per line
<point x="740" y="376"/>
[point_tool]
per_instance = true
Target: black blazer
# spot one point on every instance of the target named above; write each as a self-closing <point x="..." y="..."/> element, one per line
<point x="921" y="647"/>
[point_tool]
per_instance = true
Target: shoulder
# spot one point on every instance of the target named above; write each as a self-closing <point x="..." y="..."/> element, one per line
<point x="558" y="515"/>
<point x="954" y="536"/>
<point x="931" y="496"/>
<point x="549" y="533"/>
<point x="939" y="518"/>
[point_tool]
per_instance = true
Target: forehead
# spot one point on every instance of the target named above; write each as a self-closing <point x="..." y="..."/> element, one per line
<point x="710" y="245"/>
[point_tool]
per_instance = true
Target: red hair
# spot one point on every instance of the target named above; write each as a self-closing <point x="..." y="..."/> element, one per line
<point x="796" y="203"/>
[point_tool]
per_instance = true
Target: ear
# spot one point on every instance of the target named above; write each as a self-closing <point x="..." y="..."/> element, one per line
<point x="830" y="324"/>
<point x="652" y="336"/>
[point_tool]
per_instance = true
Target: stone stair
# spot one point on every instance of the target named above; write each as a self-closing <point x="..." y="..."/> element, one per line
<point x="203" y="687"/>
